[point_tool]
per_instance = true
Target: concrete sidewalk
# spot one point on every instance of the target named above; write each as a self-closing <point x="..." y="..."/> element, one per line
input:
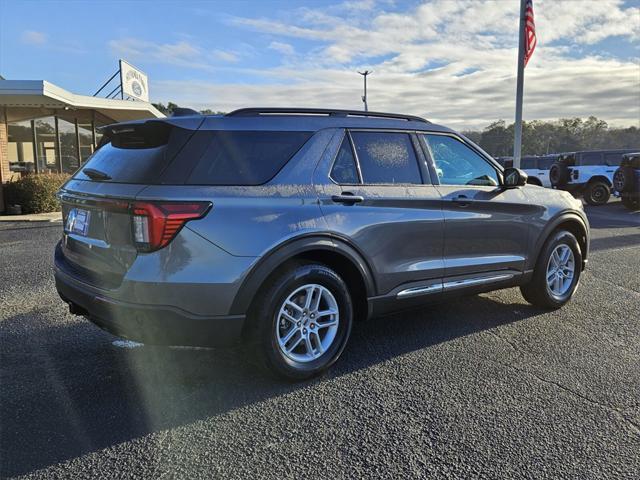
<point x="33" y="217"/>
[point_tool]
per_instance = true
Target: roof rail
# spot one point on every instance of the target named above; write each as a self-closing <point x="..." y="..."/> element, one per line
<point x="252" y="112"/>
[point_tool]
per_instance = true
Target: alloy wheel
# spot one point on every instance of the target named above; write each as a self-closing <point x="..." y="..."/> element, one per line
<point x="560" y="270"/>
<point x="307" y="323"/>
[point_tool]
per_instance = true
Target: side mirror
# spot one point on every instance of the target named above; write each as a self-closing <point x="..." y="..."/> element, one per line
<point x="514" y="177"/>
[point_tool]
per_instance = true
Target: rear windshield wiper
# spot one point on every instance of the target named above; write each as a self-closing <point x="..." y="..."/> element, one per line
<point x="94" y="174"/>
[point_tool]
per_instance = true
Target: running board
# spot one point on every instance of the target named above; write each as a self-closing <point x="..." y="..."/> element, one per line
<point x="439" y="287"/>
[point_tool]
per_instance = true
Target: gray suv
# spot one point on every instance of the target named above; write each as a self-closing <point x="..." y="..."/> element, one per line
<point x="279" y="228"/>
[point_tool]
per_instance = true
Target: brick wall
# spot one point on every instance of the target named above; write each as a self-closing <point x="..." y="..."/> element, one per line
<point x="4" y="155"/>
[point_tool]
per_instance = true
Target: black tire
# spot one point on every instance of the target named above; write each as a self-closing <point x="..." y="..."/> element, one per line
<point x="623" y="179"/>
<point x="537" y="291"/>
<point x="632" y="203"/>
<point x="264" y="320"/>
<point x="559" y="174"/>
<point x="597" y="193"/>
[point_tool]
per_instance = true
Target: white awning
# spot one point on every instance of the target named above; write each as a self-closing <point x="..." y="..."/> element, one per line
<point x="24" y="95"/>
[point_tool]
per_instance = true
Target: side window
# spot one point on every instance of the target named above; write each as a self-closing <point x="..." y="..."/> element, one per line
<point x="344" y="167"/>
<point x="386" y="158"/>
<point x="528" y="163"/>
<point x="592" y="158"/>
<point x="545" y="163"/>
<point x="457" y="164"/>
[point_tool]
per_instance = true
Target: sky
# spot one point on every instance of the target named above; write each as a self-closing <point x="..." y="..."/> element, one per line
<point x="450" y="61"/>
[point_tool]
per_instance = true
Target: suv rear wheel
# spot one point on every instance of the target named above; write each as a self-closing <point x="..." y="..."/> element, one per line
<point x="632" y="203"/>
<point x="557" y="272"/>
<point x="302" y="321"/>
<point x="597" y="193"/>
<point x="623" y="179"/>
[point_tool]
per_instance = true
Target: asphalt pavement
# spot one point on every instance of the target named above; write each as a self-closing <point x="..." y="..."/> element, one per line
<point x="482" y="387"/>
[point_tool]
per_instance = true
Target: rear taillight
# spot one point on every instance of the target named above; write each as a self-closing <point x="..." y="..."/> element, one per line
<point x="154" y="224"/>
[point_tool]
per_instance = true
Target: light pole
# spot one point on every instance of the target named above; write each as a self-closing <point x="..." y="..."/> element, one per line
<point x="364" y="97"/>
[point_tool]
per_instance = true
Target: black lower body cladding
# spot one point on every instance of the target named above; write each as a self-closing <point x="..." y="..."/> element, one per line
<point x="153" y="325"/>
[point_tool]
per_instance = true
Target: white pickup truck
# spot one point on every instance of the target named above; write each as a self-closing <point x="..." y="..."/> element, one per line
<point x="588" y="174"/>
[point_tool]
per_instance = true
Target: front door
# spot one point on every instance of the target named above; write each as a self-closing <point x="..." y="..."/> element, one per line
<point x="486" y="226"/>
<point x="376" y="192"/>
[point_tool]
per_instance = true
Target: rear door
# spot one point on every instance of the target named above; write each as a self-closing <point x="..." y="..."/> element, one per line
<point x="485" y="226"/>
<point x="378" y="194"/>
<point x="97" y="243"/>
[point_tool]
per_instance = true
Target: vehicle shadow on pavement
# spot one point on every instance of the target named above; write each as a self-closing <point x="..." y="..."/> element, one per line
<point x="618" y="241"/>
<point x="68" y="391"/>
<point x="612" y="215"/>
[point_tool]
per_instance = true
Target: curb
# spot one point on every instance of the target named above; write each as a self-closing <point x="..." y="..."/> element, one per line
<point x="52" y="217"/>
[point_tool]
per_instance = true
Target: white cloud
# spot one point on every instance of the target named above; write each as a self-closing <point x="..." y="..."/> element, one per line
<point x="452" y="61"/>
<point x="32" y="37"/>
<point x="182" y="53"/>
<point x="225" y="56"/>
<point x="419" y="55"/>
<point x="284" y="48"/>
<point x="41" y="40"/>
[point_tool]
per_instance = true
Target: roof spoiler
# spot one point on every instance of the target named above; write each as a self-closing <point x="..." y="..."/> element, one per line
<point x="184" y="112"/>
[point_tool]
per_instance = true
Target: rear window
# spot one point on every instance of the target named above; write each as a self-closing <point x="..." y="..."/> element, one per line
<point x="245" y="157"/>
<point x="136" y="154"/>
<point x="613" y="159"/>
<point x="161" y="154"/>
<point x="126" y="165"/>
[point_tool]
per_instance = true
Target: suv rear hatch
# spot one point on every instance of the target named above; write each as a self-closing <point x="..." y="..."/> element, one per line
<point x="104" y="227"/>
<point x="109" y="219"/>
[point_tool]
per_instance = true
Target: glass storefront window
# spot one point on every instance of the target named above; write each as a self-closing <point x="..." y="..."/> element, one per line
<point x="75" y="143"/>
<point x="85" y="134"/>
<point x="68" y="146"/>
<point x="46" y="145"/>
<point x="20" y="145"/>
<point x="100" y="121"/>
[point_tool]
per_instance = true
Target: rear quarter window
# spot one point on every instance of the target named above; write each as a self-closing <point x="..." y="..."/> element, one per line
<point x="245" y="157"/>
<point x="613" y="159"/>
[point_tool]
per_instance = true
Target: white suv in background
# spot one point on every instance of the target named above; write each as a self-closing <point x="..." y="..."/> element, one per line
<point x="537" y="167"/>
<point x="588" y="174"/>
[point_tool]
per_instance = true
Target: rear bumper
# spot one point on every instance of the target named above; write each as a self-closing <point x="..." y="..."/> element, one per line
<point x="153" y="324"/>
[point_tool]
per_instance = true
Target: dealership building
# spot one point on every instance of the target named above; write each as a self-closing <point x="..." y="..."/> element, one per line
<point x="45" y="128"/>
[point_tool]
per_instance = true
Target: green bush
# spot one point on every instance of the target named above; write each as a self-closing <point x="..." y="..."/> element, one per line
<point x="35" y="193"/>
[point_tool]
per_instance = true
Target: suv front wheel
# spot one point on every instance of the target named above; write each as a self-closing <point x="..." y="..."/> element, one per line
<point x="557" y="272"/>
<point x="302" y="321"/>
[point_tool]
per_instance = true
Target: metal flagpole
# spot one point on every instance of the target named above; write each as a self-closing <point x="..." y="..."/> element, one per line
<point x="517" y="141"/>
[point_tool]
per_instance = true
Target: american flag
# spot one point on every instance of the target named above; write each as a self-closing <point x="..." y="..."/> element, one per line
<point x="529" y="32"/>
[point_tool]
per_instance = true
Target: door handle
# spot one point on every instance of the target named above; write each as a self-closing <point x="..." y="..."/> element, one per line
<point x="461" y="200"/>
<point x="347" y="198"/>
